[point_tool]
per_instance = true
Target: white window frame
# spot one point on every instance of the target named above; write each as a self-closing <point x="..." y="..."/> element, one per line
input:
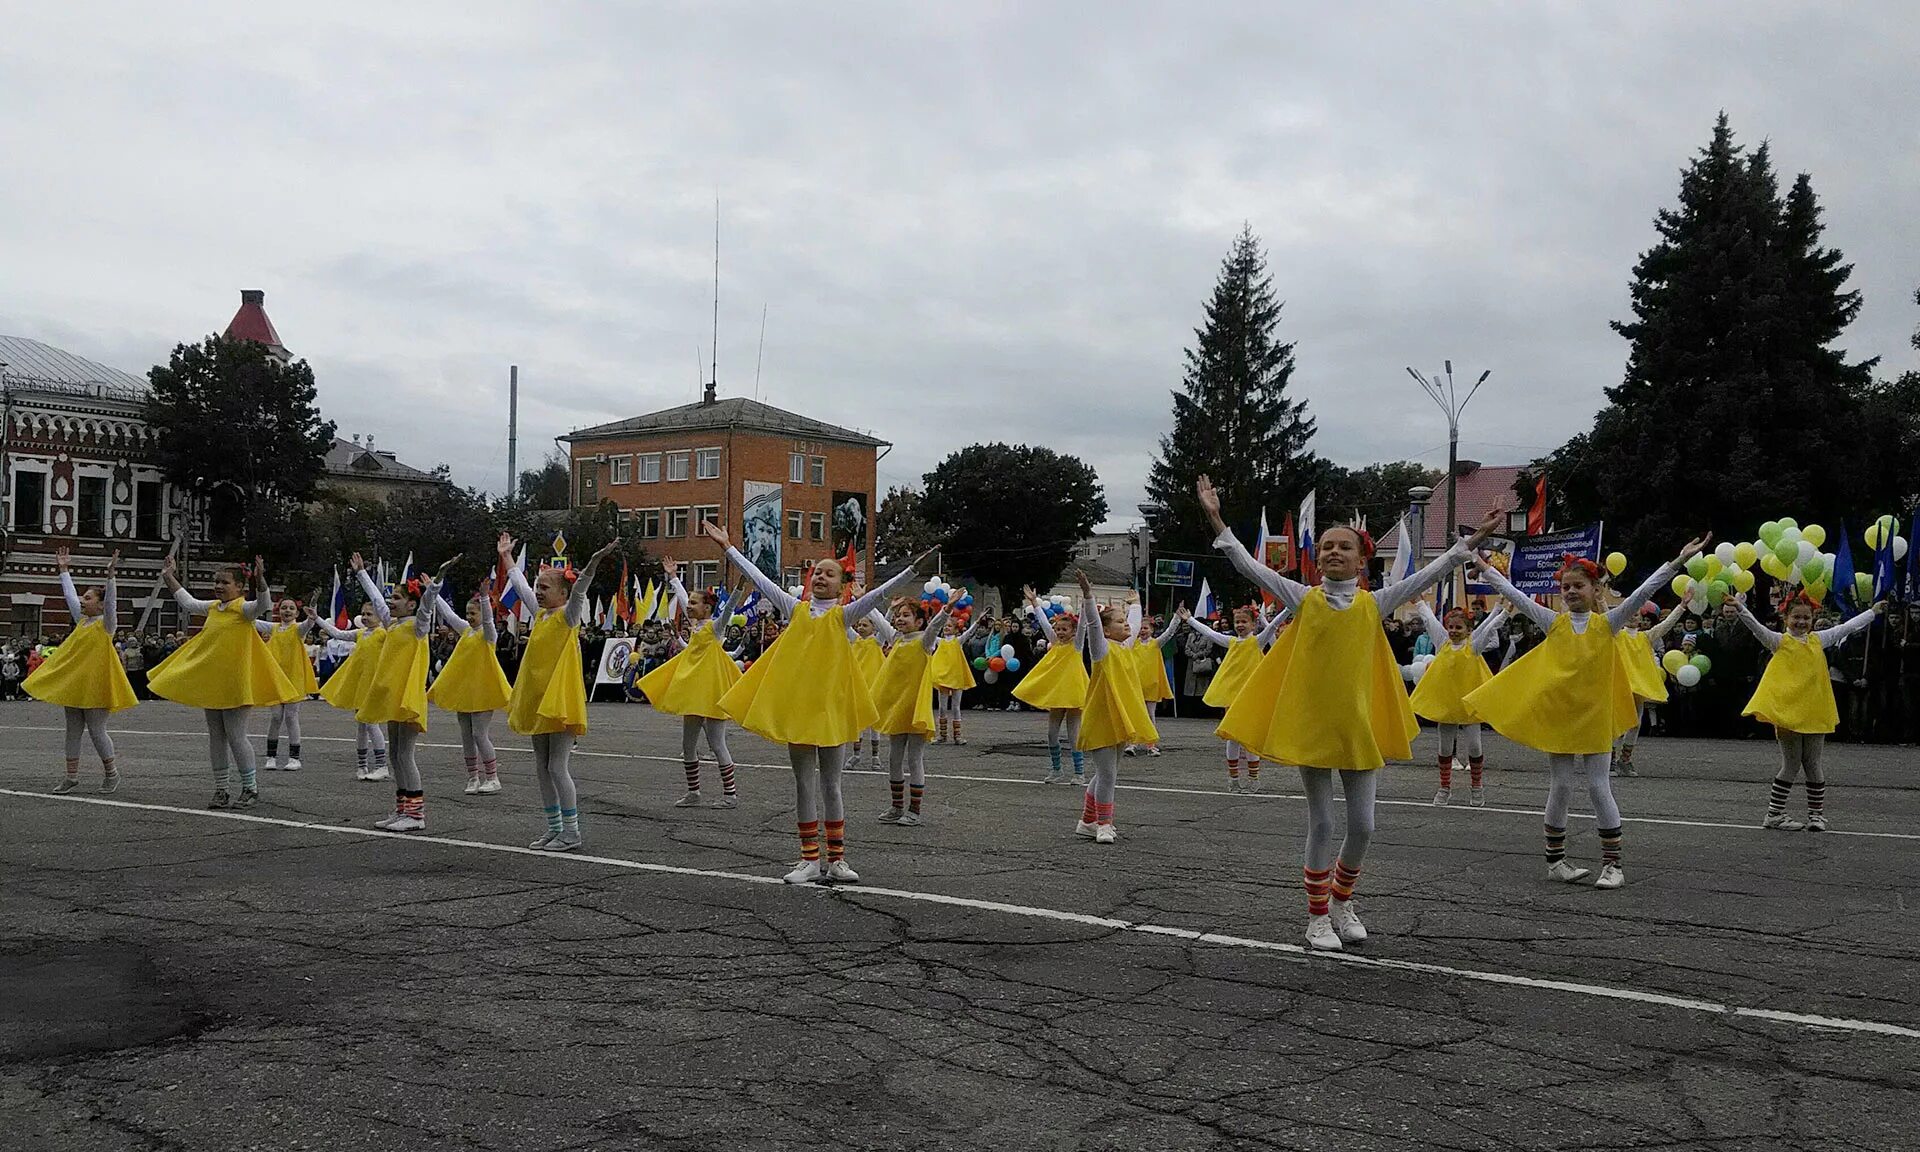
<point x="706" y="574"/>
<point x="645" y="463"/>
<point x="817" y="471"/>
<point x="701" y="458"/>
<point x="639" y="518"/>
<point x="685" y="461"/>
<point x="796" y="467"/>
<point x="105" y="476"/>
<point x="795" y="576"/>
<point x="796" y="524"/>
<point x="816" y="525"/>
<point x="706" y="514"/>
<point x="45" y="472"/>
<point x="620" y="469"/>
<point x="667" y="526"/>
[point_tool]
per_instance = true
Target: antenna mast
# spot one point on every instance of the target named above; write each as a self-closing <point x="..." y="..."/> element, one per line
<point x="713" y="378"/>
<point x="761" y="355"/>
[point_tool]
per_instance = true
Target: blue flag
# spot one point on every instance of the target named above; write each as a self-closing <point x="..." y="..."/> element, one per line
<point x="1883" y="559"/>
<point x="1843" y="580"/>
<point x="1912" y="590"/>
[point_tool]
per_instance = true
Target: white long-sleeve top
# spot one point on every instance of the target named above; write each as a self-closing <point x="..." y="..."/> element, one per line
<point x="929" y="636"/>
<point x="1829" y="637"/>
<point x="1340" y="593"/>
<point x="1136" y="618"/>
<point x="459" y="623"/>
<point x="1090" y="637"/>
<point x="1616" y="617"/>
<point x="714" y="620"/>
<point x="576" y="606"/>
<point x="349" y="635"/>
<point x="109" y="616"/>
<point x="1226" y="639"/>
<point x="785" y="602"/>
<point x="423" y="612"/>
<point x="1484" y="638"/>
<point x="253" y="609"/>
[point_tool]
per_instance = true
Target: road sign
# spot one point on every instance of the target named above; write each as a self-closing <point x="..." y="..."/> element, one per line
<point x="1173" y="573"/>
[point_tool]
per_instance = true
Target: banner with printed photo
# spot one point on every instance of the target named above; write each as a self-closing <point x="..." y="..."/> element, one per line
<point x="613" y="661"/>
<point x="850" y="527"/>
<point x="761" y="519"/>
<point x="1498" y="550"/>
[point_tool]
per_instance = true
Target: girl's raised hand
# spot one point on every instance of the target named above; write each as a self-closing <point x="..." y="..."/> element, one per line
<point x="1693" y="548"/>
<point x="113" y="563"/>
<point x="1487" y="527"/>
<point x="669" y="567"/>
<point x="445" y="568"/>
<point x="167" y="567"/>
<point x="1086" y="586"/>
<point x="1210" y="503"/>
<point x="503" y="547"/>
<point x="716" y="533"/>
<point x="312" y="616"/>
<point x="607" y="549"/>
<point x="60" y="559"/>
<point x="356" y="563"/>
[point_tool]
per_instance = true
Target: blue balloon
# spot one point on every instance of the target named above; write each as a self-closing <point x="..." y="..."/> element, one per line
<point x="940" y="595"/>
<point x="1013" y="664"/>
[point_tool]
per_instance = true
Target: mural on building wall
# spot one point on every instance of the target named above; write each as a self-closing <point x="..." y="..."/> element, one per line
<point x="850" y="526"/>
<point x="761" y="517"/>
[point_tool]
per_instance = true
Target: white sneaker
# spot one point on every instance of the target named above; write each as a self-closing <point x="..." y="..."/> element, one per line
<point x="1816" y="821"/>
<point x="1566" y="873"/>
<point x="408" y="824"/>
<point x="389" y="821"/>
<point x="379" y="774"/>
<point x="473" y="785"/>
<point x="1233" y="784"/>
<point x="1252" y="785"/>
<point x="564" y="842"/>
<point x="891" y="816"/>
<point x="1480" y="797"/>
<point x="363" y="773"/>
<point x="1105" y="834"/>
<point x="1441" y="797"/>
<point x="1054" y="777"/>
<point x="488" y="786"/>
<point x="909" y="819"/>
<point x="292" y="764"/>
<point x="1320" y="934"/>
<point x="805" y="872"/>
<point x="690" y="800"/>
<point x="1129" y="751"/>
<point x="726" y="801"/>
<point x="1611" y="876"/>
<point x="544" y="840"/>
<point x="1084" y="829"/>
<point x="1154" y="752"/>
<point x="272" y="764"/>
<point x="1346" y="922"/>
<point x="1782" y="822"/>
<point x="839" y="872"/>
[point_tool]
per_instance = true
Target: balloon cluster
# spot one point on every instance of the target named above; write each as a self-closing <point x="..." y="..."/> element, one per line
<point x="936" y="594"/>
<point x="1685" y="670"/>
<point x="1713" y="576"/>
<point x="1419" y="666"/>
<point x="1006" y="661"/>
<point x="1053" y="606"/>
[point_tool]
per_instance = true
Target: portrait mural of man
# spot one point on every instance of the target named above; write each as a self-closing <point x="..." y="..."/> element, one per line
<point x="762" y="508"/>
<point x="850" y="525"/>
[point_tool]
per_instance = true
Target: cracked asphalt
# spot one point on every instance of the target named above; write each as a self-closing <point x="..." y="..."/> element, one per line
<point x="171" y="979"/>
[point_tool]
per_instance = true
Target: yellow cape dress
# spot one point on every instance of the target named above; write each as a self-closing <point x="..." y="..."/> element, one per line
<point x="869" y="657"/>
<point x="290" y="653"/>
<point x="1569" y="696"/>
<point x="1441" y="694"/>
<point x="694" y="680"/>
<point x="1795" y="694"/>
<point x="396" y="692"/>
<point x="348" y="683"/>
<point x="84" y="672"/>
<point x="950" y="668"/>
<point x="1116" y="710"/>
<point x="1154" y="685"/>
<point x="1243" y="656"/>
<point x="805" y="689"/>
<point x="1058" y="681"/>
<point x="903" y="693"/>
<point x="471" y="679"/>
<point x="550" y="694"/>
<point x="1645" y="678"/>
<point x="224" y="665"/>
<point x="1328" y="694"/>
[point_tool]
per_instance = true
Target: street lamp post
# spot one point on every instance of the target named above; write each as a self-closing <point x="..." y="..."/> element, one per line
<point x="1441" y="391"/>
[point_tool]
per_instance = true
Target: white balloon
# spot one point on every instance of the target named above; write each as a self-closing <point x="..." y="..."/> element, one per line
<point x="1724" y="553"/>
<point x="1795" y="574"/>
<point x="1006" y="651"/>
<point x="1688" y="676"/>
<point x="1899" y="547"/>
<point x="1790" y="535"/>
<point x="930" y="585"/>
<point x="993" y="677"/>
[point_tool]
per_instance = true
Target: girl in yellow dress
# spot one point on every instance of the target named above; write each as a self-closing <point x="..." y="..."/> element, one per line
<point x="1571" y="698"/>
<point x="1115" y="713"/>
<point x="84" y="675"/>
<point x="472" y="687"/>
<point x="1244" y="649"/>
<point x="902" y="696"/>
<point x="225" y="671"/>
<point x="1057" y="685"/>
<point x="396" y="692"/>
<point x="1644" y="674"/>
<point x="805" y="692"/>
<point x="1328" y="697"/>
<point x="1152" y="657"/>
<point x="1457" y="668"/>
<point x="952" y="678"/>
<point x="690" y="685"/>
<point x="287" y="640"/>
<point x="1796" y="697"/>
<point x="549" y="700"/>
<point x="344" y="688"/>
<point x="869" y="655"/>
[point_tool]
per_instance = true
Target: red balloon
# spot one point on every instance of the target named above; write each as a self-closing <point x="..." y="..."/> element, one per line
<point x="997" y="664"/>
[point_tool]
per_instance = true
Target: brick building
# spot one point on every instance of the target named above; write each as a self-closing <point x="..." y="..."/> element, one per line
<point x="358" y="470"/>
<point x="790" y="488"/>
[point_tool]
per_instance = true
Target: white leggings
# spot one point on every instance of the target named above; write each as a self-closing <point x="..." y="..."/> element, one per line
<point x="1451" y="737"/>
<point x="1799" y="753"/>
<point x="691" y="728"/>
<point x="1358" y="788"/>
<point x="369" y="735"/>
<point x="1236" y="751"/>
<point x="1631" y="736"/>
<point x="1105" y="774"/>
<point x="92" y="722"/>
<point x="946" y="703"/>
<point x="816" y="782"/>
<point x="1569" y="773"/>
<point x="287" y="717"/>
<point x="401" y="738"/>
<point x="1063" y="721"/>
<point x="907" y="759"/>
<point x="476" y="736"/>
<point x="227" y="738"/>
<point x="551" y="753"/>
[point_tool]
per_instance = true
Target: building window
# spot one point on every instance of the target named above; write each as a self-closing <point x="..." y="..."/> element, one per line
<point x="622" y="469"/>
<point x="649" y="470"/>
<point x="29" y="501"/>
<point x="796" y="524"/>
<point x="676" y="465"/>
<point x="793" y="578"/>
<point x="706" y="514"/>
<point x="676" y="522"/>
<point x="25" y="621"/>
<point x="797" y="468"/>
<point x="817" y="473"/>
<point x="646" y="523"/>
<point x="706" y="464"/>
<point x="93" y="506"/>
<point x="706" y="574"/>
<point x="146" y="510"/>
<point x="588" y="489"/>
<point x="816" y="525"/>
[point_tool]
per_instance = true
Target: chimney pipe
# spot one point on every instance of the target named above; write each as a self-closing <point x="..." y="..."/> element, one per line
<point x="253" y="296"/>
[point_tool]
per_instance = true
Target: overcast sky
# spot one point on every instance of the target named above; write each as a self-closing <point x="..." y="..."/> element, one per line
<point x="966" y="221"/>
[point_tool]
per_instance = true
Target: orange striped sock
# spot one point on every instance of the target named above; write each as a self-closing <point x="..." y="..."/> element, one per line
<point x="913" y="797"/>
<point x="1317" y="882"/>
<point x="1103" y="813"/>
<point x="1343" y="881"/>
<point x="1446" y="771"/>
<point x="1089" y="811"/>
<point x="836" y="839"/>
<point x="1476" y="765"/>
<point x="809" y="839"/>
<point x="1233" y="769"/>
<point x="898" y="789"/>
<point x="1253" y="769"/>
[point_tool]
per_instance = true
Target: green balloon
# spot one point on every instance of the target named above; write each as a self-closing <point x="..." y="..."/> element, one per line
<point x="979" y="662"/>
<point x="1770" y="533"/>
<point x="1701" y="662"/>
<point x="1787" y="522"/>
<point x="1697" y="567"/>
<point x="1786" y="553"/>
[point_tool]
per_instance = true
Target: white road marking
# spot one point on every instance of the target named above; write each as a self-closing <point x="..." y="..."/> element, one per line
<point x="1298" y="951"/>
<point x="1460" y="809"/>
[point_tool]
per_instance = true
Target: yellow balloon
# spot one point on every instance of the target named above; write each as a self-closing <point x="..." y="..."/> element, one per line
<point x="1681" y="583"/>
<point x="1673" y="660"/>
<point x="1616" y="563"/>
<point x="1744" y="554"/>
<point x="1713" y="566"/>
<point x="1873" y="535"/>
<point x="1742" y="580"/>
<point x="1770" y="564"/>
<point x="1817" y="593"/>
<point x="1814" y="535"/>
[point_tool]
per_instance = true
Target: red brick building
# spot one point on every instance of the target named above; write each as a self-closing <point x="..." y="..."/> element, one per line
<point x="790" y="488"/>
